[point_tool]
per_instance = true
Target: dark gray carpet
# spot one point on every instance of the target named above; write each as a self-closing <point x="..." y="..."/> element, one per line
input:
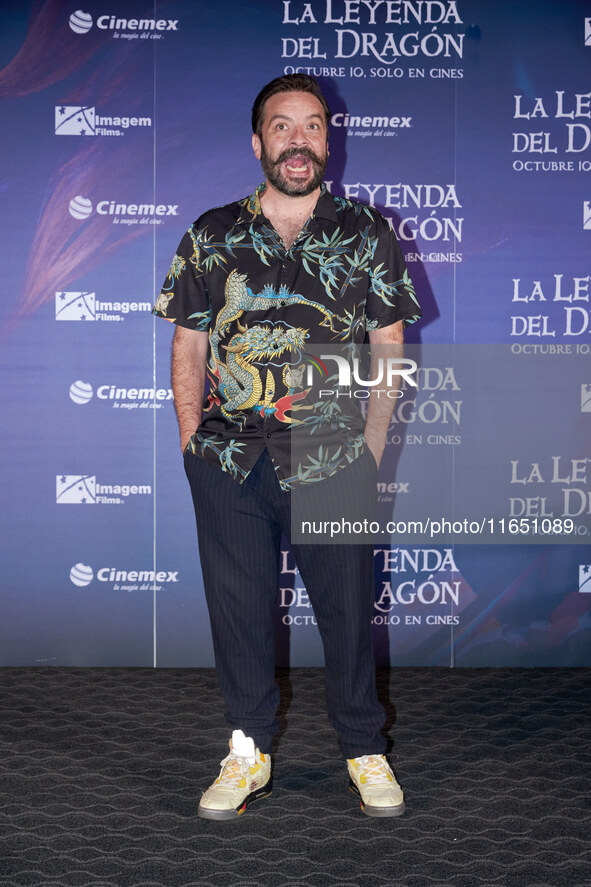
<point x="102" y="770"/>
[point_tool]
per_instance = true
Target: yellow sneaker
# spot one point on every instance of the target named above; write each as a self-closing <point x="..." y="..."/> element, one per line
<point x="371" y="778"/>
<point x="245" y="776"/>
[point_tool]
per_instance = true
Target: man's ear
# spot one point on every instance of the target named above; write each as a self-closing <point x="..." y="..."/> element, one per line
<point x="256" y="145"/>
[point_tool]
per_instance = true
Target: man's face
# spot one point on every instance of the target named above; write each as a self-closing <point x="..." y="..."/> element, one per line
<point x="292" y="146"/>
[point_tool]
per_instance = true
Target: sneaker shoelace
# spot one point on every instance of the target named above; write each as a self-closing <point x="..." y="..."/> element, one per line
<point x="235" y="768"/>
<point x="374" y="770"/>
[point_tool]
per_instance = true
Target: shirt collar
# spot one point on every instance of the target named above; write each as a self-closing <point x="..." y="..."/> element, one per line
<point x="251" y="207"/>
<point x="325" y="207"/>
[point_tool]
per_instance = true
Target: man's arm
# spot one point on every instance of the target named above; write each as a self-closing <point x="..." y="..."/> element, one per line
<point x="189" y="354"/>
<point x="389" y="341"/>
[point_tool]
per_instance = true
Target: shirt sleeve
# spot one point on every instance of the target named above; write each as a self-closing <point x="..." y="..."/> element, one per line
<point x="391" y="296"/>
<point x="184" y="299"/>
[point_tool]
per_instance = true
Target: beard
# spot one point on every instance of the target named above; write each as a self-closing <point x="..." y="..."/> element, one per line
<point x="272" y="170"/>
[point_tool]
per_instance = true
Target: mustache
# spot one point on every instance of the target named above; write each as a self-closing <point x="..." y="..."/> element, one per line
<point x="298" y="152"/>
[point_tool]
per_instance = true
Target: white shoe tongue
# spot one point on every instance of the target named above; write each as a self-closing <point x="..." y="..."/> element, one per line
<point x="243" y="745"/>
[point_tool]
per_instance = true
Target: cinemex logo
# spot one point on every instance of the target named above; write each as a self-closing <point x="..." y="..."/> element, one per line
<point x="83" y="489"/>
<point x="363" y="127"/>
<point x="81" y="208"/>
<point x="125" y="28"/>
<point x="85" y="306"/>
<point x="587" y="215"/>
<point x="82" y="393"/>
<point x="83" y="575"/>
<point x="586" y="398"/>
<point x="588" y="32"/>
<point x="585" y="578"/>
<point x="392" y="487"/>
<point x="82" y="120"/>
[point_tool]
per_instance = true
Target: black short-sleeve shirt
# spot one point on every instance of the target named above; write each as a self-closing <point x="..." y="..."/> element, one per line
<point x="264" y="307"/>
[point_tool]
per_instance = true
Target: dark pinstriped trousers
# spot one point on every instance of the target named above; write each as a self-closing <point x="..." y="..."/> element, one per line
<point x="239" y="528"/>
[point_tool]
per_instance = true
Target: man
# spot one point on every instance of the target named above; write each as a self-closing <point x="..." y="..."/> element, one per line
<point x="253" y="285"/>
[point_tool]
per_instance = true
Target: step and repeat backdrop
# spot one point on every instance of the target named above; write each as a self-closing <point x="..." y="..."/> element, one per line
<point x="468" y="125"/>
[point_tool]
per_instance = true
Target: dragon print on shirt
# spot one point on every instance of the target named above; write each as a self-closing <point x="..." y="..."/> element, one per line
<point x="237" y="362"/>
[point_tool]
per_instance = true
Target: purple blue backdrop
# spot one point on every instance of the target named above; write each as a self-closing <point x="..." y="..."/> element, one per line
<point x="468" y="124"/>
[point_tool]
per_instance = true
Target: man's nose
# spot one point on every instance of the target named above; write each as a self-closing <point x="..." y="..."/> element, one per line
<point x="298" y="136"/>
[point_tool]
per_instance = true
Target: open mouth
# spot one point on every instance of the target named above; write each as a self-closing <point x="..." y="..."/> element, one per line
<point x="298" y="165"/>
